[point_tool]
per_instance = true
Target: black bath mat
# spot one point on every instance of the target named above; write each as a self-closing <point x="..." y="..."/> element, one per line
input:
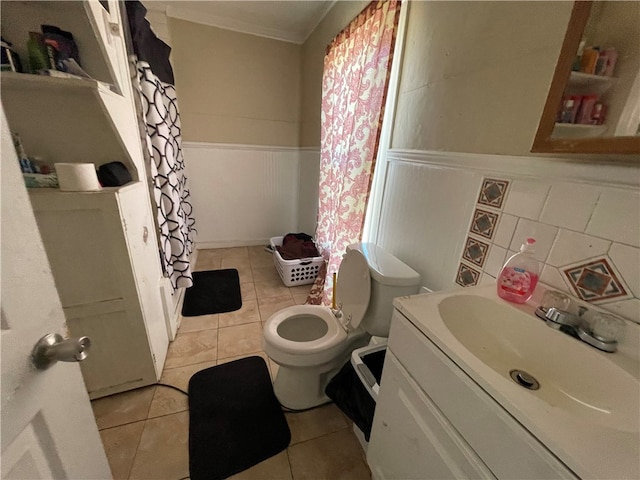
<point x="213" y="291"/>
<point x="235" y="420"/>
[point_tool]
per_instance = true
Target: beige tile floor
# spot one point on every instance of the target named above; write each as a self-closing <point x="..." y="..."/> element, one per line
<point x="145" y="431"/>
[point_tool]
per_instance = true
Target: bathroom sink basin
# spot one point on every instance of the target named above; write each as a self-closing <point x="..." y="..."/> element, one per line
<point x="573" y="377"/>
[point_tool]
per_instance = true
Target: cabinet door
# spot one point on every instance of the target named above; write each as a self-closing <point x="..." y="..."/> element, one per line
<point x="142" y="245"/>
<point x="88" y="241"/>
<point x="412" y="439"/>
<point x="504" y="445"/>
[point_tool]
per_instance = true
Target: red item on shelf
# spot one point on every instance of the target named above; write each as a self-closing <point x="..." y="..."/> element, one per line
<point x="598" y="114"/>
<point x="586" y="108"/>
<point x="569" y="108"/>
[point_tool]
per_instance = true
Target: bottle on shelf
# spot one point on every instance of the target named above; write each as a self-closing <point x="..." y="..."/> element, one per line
<point x="519" y="275"/>
<point x="589" y="59"/>
<point x="577" y="61"/>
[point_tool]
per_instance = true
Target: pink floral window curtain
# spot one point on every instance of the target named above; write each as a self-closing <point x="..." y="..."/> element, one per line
<point x="356" y="74"/>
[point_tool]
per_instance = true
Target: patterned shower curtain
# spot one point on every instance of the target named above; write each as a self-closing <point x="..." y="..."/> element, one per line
<point x="356" y="73"/>
<point x="166" y="166"/>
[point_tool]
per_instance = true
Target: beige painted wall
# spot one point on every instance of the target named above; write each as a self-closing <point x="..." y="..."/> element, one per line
<point x="313" y="52"/>
<point x="475" y="75"/>
<point x="234" y="87"/>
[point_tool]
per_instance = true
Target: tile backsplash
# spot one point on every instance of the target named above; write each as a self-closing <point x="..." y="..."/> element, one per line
<point x="587" y="238"/>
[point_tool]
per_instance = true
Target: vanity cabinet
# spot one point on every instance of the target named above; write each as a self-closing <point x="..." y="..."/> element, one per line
<point x="102" y="246"/>
<point x="99" y="249"/>
<point x="433" y="421"/>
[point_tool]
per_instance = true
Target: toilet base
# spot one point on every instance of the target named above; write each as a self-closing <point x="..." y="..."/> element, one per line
<point x="300" y="388"/>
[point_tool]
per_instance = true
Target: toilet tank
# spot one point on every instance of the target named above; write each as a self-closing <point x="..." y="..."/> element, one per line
<point x="390" y="278"/>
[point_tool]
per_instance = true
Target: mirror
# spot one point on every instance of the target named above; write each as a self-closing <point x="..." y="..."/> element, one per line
<point x="593" y="104"/>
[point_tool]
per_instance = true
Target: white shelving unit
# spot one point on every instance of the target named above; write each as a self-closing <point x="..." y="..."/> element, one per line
<point x="102" y="246"/>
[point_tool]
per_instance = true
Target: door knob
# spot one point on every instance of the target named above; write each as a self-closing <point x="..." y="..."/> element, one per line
<point x="53" y="348"/>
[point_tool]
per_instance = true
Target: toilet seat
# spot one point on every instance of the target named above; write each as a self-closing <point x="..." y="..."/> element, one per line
<point x="353" y="291"/>
<point x="319" y="336"/>
<point x="335" y="332"/>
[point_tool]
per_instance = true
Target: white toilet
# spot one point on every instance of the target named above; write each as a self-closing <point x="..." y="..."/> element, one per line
<point x="310" y="343"/>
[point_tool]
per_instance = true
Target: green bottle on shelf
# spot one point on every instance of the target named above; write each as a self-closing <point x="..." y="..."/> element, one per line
<point x="37" y="50"/>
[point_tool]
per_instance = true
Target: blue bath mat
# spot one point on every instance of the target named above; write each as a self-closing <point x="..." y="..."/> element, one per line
<point x="235" y="419"/>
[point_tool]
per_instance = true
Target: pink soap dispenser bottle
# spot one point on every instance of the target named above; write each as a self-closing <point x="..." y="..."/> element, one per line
<point x="519" y="276"/>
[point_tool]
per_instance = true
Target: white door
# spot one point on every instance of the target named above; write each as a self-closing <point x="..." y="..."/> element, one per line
<point x="47" y="426"/>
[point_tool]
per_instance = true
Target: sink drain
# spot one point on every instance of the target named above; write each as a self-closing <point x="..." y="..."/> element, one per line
<point x="525" y="380"/>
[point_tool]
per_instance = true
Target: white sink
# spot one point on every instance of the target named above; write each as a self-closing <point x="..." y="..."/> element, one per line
<point x="587" y="408"/>
<point x="572" y="375"/>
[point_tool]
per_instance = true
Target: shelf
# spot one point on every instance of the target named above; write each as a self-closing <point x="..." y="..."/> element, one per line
<point x="26" y="81"/>
<point x="576" y="130"/>
<point x="88" y="21"/>
<point x="108" y="191"/>
<point x="66" y="119"/>
<point x="586" y="83"/>
<point x="581" y="78"/>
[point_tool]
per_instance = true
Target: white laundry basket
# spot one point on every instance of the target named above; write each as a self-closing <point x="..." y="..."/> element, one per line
<point x="295" y="272"/>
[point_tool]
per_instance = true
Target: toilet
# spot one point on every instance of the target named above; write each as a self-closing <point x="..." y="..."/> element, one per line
<point x="310" y="343"/>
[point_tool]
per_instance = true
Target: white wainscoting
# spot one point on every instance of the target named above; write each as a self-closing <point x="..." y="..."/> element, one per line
<point x="242" y="194"/>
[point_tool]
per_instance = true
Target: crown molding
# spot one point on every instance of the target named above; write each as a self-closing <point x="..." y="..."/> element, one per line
<point x="235" y="25"/>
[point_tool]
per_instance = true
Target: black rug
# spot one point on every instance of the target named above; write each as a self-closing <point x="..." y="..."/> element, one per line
<point x="213" y="291"/>
<point x="235" y="420"/>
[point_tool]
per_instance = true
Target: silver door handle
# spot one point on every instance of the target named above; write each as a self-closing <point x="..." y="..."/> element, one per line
<point x="53" y="348"/>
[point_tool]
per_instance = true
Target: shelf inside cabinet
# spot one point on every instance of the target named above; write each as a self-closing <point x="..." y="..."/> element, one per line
<point x="53" y="85"/>
<point x="88" y="21"/>
<point x="575" y="130"/>
<point x="65" y="119"/>
<point x="585" y="83"/>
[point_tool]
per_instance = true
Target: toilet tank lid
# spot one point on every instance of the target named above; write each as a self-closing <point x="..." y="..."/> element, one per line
<point x="384" y="267"/>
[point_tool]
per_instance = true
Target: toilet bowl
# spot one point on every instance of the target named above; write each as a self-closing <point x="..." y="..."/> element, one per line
<point x="310" y="343"/>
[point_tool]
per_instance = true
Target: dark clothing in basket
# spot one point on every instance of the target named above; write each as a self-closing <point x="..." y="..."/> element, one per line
<point x="296" y="246"/>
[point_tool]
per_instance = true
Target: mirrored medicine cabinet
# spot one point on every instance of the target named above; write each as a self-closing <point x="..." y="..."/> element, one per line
<point x="593" y="105"/>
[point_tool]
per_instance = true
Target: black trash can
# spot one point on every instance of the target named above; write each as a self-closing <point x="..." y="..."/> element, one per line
<point x="354" y="389"/>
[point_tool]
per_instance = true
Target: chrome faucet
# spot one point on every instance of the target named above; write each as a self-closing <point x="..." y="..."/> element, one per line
<point x="576" y="326"/>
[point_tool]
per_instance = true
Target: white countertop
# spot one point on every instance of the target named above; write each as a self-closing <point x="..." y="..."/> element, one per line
<point x="591" y="450"/>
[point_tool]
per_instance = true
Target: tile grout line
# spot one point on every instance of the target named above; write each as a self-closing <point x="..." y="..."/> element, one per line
<point x="135" y="455"/>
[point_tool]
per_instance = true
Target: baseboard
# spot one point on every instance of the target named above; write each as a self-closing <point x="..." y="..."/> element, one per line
<point x="232" y="243"/>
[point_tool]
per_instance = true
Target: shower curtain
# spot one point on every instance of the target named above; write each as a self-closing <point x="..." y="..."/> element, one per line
<point x="356" y="73"/>
<point x="165" y="161"/>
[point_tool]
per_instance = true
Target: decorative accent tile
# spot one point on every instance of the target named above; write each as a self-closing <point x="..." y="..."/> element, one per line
<point x="475" y="251"/>
<point x="484" y="223"/>
<point x="467" y="276"/>
<point x="595" y="281"/>
<point x="493" y="192"/>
